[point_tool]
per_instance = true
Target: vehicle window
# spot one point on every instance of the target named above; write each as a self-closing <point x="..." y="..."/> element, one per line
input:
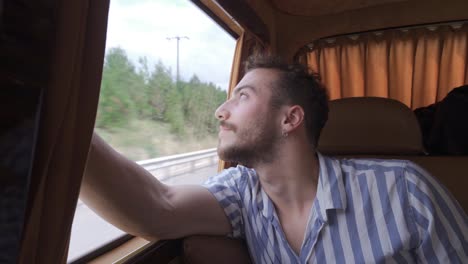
<point x="166" y="70"/>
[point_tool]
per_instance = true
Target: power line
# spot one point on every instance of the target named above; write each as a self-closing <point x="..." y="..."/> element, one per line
<point x="178" y="38"/>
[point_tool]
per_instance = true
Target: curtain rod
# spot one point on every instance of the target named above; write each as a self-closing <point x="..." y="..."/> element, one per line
<point x="431" y="26"/>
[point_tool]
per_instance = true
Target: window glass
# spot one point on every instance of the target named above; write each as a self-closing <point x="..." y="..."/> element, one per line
<point x="166" y="70"/>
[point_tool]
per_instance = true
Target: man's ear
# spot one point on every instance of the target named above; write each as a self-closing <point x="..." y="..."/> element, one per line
<point x="294" y="116"/>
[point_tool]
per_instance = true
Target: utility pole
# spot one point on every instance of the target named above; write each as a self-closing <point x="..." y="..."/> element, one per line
<point x="178" y="38"/>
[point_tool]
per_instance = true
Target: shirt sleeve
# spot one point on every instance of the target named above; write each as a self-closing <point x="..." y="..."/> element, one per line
<point x="225" y="187"/>
<point x="440" y="222"/>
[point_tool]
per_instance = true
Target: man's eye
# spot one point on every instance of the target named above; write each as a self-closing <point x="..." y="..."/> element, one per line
<point x="243" y="95"/>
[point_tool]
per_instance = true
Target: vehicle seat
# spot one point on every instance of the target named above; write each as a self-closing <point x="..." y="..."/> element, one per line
<point x="214" y="249"/>
<point x="370" y="126"/>
<point x="385" y="128"/>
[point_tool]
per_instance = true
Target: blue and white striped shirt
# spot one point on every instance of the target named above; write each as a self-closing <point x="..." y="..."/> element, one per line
<point x="365" y="211"/>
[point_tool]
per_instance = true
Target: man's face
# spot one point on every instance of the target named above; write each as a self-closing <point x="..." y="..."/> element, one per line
<point x="249" y="126"/>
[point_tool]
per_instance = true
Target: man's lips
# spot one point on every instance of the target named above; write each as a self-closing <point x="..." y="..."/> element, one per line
<point x="223" y="126"/>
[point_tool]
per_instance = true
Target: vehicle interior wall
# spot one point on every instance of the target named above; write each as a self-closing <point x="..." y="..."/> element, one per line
<point x="267" y="13"/>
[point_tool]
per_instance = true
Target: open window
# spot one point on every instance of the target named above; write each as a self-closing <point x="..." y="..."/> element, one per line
<point x="166" y="70"/>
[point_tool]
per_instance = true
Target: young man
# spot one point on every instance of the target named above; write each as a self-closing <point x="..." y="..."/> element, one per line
<point x="290" y="203"/>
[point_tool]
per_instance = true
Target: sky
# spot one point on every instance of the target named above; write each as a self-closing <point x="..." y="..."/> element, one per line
<point x="141" y="28"/>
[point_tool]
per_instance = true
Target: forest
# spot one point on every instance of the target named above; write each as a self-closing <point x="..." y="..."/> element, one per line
<point x="145" y="113"/>
<point x="149" y="92"/>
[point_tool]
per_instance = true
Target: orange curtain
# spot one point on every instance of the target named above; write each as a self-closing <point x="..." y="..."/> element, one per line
<point x="401" y="67"/>
<point x="376" y="67"/>
<point x="416" y="66"/>
<point x="352" y="69"/>
<point x="426" y="76"/>
<point x="333" y="69"/>
<point x="67" y="121"/>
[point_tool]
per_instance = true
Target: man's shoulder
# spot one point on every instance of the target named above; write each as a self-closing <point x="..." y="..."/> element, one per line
<point x="380" y="169"/>
<point x="371" y="169"/>
<point x="374" y="164"/>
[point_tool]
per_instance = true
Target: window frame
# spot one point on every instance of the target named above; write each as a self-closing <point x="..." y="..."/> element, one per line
<point x="159" y="249"/>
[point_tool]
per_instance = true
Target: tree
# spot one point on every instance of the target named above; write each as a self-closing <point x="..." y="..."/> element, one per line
<point x="151" y="94"/>
<point x="159" y="85"/>
<point x="116" y="105"/>
<point x="200" y="102"/>
<point x="174" y="113"/>
<point x="141" y="92"/>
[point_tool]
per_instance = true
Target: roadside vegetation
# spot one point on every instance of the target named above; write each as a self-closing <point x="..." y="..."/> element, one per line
<point x="144" y="113"/>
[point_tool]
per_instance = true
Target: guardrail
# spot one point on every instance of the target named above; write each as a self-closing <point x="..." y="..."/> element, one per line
<point x="175" y="165"/>
<point x="169" y="166"/>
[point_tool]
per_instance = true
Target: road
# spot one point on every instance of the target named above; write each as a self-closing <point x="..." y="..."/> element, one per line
<point x="89" y="231"/>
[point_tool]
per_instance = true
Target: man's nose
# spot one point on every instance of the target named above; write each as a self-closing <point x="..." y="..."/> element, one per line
<point x="222" y="113"/>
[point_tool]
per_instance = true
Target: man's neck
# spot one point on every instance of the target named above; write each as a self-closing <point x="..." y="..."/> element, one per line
<point x="291" y="180"/>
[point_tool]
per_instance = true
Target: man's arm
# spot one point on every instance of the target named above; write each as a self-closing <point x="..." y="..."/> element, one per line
<point x="129" y="197"/>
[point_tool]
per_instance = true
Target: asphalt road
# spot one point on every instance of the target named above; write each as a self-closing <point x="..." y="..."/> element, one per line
<point x="89" y="231"/>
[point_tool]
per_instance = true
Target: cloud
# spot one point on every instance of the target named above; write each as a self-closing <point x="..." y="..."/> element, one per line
<point x="142" y="28"/>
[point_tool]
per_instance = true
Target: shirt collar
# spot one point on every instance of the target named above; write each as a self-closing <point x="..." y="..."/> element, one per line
<point x="331" y="193"/>
<point x="259" y="196"/>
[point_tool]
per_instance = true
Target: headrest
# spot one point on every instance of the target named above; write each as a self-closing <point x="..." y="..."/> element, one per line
<point x="370" y="125"/>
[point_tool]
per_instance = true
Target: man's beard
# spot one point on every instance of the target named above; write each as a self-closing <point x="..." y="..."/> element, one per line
<point x="256" y="144"/>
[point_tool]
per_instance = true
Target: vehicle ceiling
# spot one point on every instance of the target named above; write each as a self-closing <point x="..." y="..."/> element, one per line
<point x="292" y="24"/>
<point x="320" y="7"/>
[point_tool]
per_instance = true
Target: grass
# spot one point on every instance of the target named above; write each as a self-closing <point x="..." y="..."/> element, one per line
<point x="143" y="139"/>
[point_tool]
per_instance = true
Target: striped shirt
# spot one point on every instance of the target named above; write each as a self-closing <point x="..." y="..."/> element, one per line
<point x="365" y="211"/>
